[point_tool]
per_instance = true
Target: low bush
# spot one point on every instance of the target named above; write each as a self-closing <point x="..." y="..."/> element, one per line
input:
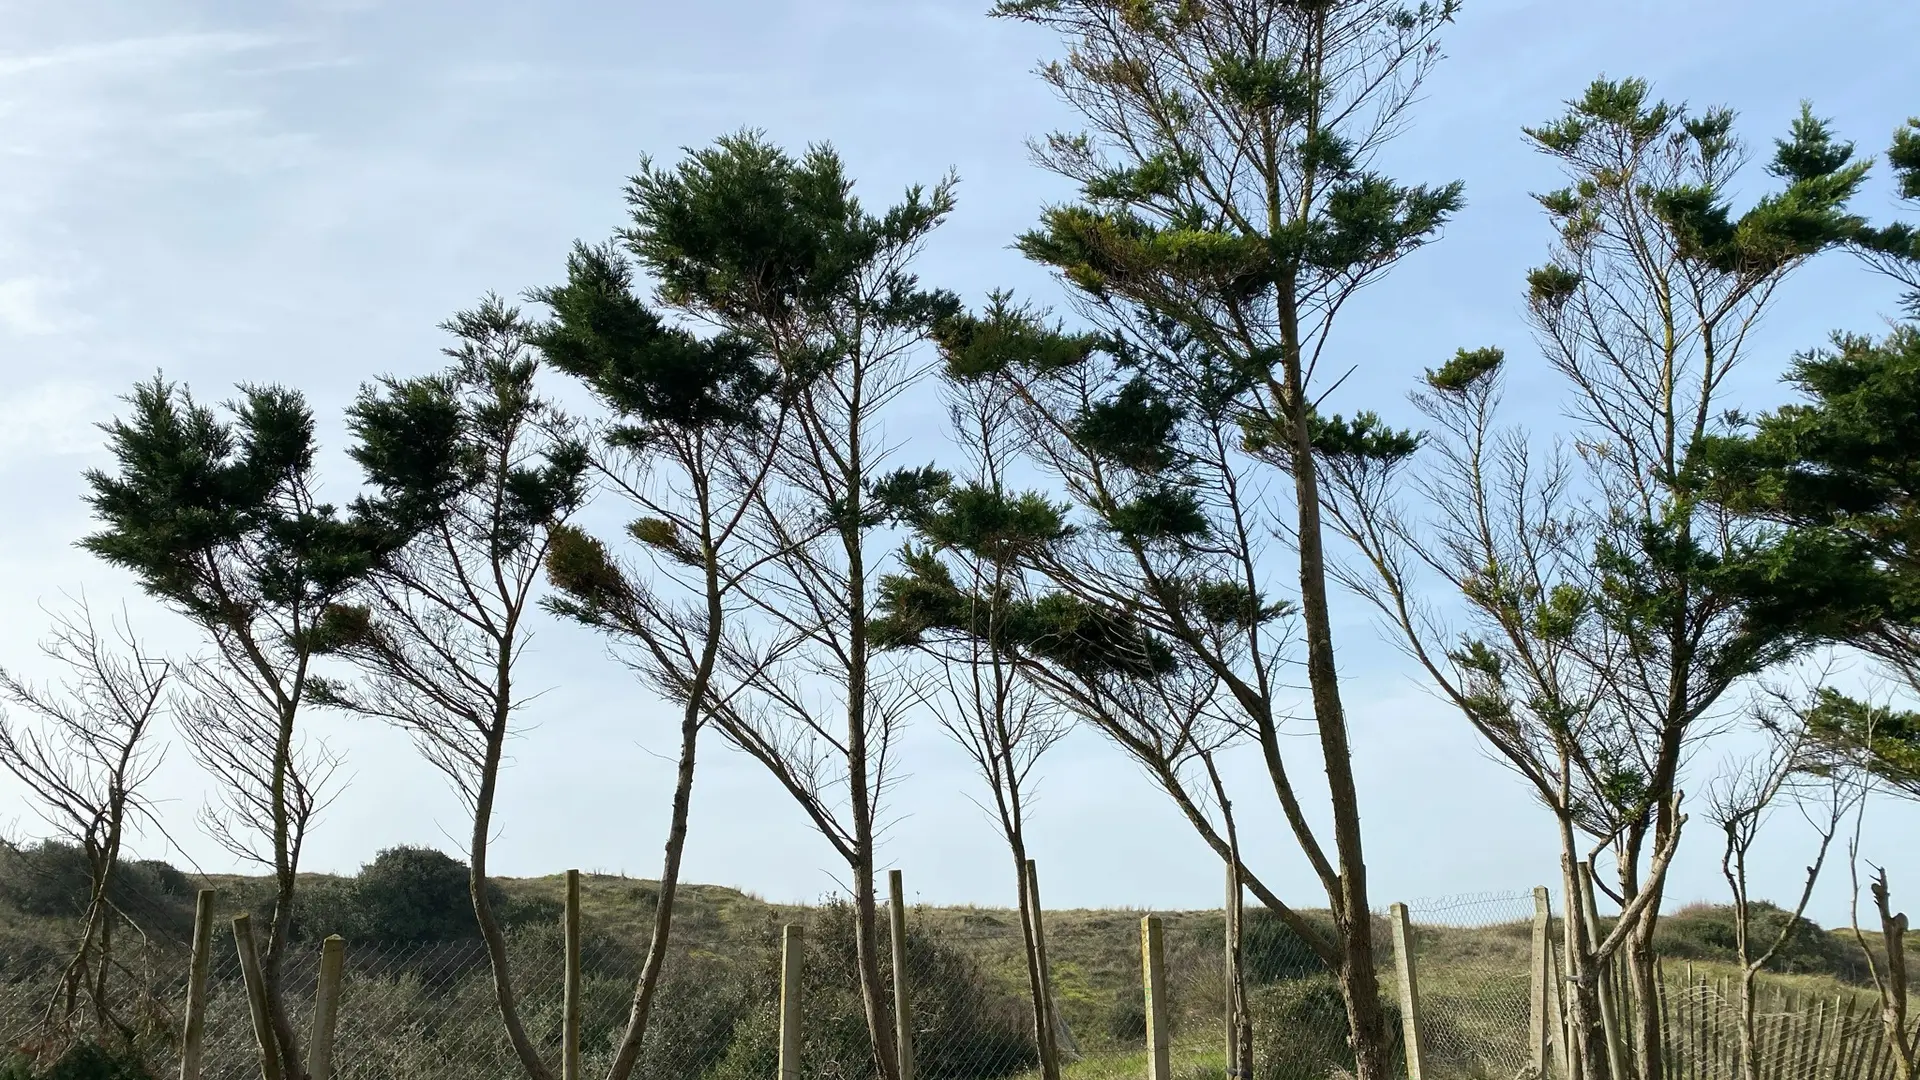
<point x="51" y="879"/>
<point x="1300" y="1029"/>
<point x="968" y="1027"/>
<point x="81" y="1061"/>
<point x="1706" y="932"/>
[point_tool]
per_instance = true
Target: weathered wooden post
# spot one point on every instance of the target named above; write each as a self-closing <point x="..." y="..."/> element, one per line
<point x="326" y="1008"/>
<point x="902" y="1004"/>
<point x="1409" y="992"/>
<point x="256" y="996"/>
<point x="570" y="1003"/>
<point x="1563" y="1055"/>
<point x="1153" y="969"/>
<point x="1061" y="1038"/>
<point x="793" y="954"/>
<point x="1537" y="1036"/>
<point x="196" y="1029"/>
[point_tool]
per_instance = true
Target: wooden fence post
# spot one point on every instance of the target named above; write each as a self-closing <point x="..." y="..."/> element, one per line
<point x="1537" y="1037"/>
<point x="1153" y="970"/>
<point x="570" y="1002"/>
<point x="1409" y="992"/>
<point x="256" y="996"/>
<point x="1563" y="1055"/>
<point x="902" y="1002"/>
<point x="196" y="1029"/>
<point x="326" y="1008"/>
<point x="1062" y="1038"/>
<point x="793" y="954"/>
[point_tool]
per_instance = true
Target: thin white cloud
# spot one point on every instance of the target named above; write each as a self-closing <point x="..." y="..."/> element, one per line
<point x="124" y="54"/>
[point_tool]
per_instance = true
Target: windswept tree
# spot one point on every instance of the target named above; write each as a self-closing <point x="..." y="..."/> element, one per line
<point x="1833" y="479"/>
<point x="1835" y="473"/>
<point x="1606" y="618"/>
<point x="84" y="757"/>
<point x="1229" y="209"/>
<point x="972" y="533"/>
<point x="1894" y="249"/>
<point x="220" y="519"/>
<point x="438" y="630"/>
<point x="1499" y="524"/>
<point x="693" y="423"/>
<point x="813" y="316"/>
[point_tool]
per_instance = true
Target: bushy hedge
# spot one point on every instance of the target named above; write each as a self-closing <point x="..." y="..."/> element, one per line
<point x="1300" y="1029"/>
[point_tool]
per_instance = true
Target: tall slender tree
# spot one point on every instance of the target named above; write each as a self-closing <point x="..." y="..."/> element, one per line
<point x="974" y="531"/>
<point x="221" y="520"/>
<point x="776" y="257"/>
<point x="693" y="427"/>
<point x="440" y="628"/>
<point x="1227" y="194"/>
<point x="1610" y="618"/>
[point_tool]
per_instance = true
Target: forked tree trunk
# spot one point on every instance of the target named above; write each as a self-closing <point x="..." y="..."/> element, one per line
<point x="1589" y="1050"/>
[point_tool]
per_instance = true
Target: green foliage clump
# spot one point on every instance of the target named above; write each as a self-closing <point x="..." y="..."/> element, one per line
<point x="51" y="880"/>
<point x="414" y="894"/>
<point x="1706" y="932"/>
<point x="1300" y="1029"/>
<point x="970" y="1028"/>
<point x="81" y="1061"/>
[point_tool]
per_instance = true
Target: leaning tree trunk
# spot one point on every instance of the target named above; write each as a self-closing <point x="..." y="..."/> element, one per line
<point x="1043" y="1035"/>
<point x="628" y="1054"/>
<point x="273" y="962"/>
<point x="490" y="932"/>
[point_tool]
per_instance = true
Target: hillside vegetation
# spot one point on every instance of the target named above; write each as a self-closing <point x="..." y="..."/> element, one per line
<point x="407" y="916"/>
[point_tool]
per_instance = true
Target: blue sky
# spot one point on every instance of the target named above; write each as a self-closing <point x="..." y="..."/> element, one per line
<point x="300" y="191"/>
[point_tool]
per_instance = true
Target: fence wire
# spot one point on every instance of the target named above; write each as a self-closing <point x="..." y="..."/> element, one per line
<point x="416" y="1010"/>
<point x="1473" y="958"/>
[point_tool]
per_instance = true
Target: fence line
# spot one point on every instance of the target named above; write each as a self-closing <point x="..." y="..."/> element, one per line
<point x="1470" y="981"/>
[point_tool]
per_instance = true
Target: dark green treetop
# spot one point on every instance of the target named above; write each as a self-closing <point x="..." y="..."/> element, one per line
<point x="220" y="519"/>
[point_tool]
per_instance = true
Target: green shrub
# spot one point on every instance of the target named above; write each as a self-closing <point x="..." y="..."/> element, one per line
<point x="52" y="880"/>
<point x="81" y="1061"/>
<point x="1706" y="932"/>
<point x="969" y="1028"/>
<point x="1300" y="1029"/>
<point x="413" y="894"/>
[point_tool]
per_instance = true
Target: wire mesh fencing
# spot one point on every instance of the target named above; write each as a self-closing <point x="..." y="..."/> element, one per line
<point x="1474" y="962"/>
<point x="974" y="1008"/>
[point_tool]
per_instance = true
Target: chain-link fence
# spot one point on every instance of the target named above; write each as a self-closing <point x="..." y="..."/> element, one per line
<point x="419" y="1010"/>
<point x="1473" y="958"/>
